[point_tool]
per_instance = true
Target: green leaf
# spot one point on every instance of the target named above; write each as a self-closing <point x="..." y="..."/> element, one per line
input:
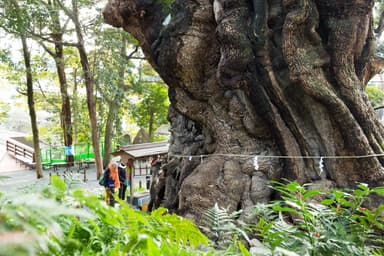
<point x="378" y="190"/>
<point x="59" y="186"/>
<point x="327" y="202"/>
<point x="310" y="193"/>
<point x="244" y="251"/>
<point x="152" y="248"/>
<point x="284" y="209"/>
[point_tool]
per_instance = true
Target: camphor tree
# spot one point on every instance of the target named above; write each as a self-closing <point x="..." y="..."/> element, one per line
<point x="266" y="78"/>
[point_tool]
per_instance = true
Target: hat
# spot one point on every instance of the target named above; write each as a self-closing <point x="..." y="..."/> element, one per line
<point x="116" y="159"/>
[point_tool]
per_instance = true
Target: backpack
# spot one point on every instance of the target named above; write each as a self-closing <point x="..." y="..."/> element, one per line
<point x="101" y="181"/>
<point x="103" y="178"/>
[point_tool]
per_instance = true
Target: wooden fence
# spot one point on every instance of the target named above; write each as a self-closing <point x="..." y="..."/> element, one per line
<point x="21" y="152"/>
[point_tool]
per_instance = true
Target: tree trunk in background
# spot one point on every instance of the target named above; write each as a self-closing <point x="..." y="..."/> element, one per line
<point x="65" y="115"/>
<point x="89" y="84"/>
<point x="113" y="106"/>
<point x="58" y="55"/>
<point x="31" y="107"/>
<point x="75" y="107"/>
<point x="266" y="78"/>
<point x="150" y="124"/>
<point x="108" y="132"/>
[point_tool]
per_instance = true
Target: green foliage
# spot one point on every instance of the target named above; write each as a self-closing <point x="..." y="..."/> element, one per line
<point x="340" y="225"/>
<point x="30" y="223"/>
<point x="61" y="222"/>
<point x="58" y="221"/>
<point x="222" y="226"/>
<point x="375" y="95"/>
<point x="151" y="108"/>
<point x="298" y="224"/>
<point x="166" y="6"/>
<point x="4" y="109"/>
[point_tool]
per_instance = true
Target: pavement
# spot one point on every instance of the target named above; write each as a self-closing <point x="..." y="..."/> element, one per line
<point x="25" y="179"/>
<point x="15" y="180"/>
<point x="8" y="163"/>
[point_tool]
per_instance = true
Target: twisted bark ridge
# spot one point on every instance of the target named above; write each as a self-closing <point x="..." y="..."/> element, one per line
<point x="257" y="77"/>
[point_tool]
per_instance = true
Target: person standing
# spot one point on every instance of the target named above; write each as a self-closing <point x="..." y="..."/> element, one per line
<point x="111" y="183"/>
<point x="123" y="181"/>
<point x="129" y="169"/>
<point x="155" y="171"/>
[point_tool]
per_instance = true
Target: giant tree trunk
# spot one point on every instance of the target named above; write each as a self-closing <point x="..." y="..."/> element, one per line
<point x="266" y="78"/>
<point x="31" y="107"/>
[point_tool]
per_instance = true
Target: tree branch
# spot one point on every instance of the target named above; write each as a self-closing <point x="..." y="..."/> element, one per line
<point x="379" y="107"/>
<point x="133" y="52"/>
<point x="66" y="10"/>
<point x="46" y="98"/>
<point x="49" y="40"/>
<point x="47" y="49"/>
<point x="24" y="93"/>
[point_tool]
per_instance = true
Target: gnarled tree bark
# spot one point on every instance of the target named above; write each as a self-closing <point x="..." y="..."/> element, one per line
<point x="266" y="78"/>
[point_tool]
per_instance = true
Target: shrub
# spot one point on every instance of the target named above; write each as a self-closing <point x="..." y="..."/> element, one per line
<point x="339" y="225"/>
<point x="59" y="222"/>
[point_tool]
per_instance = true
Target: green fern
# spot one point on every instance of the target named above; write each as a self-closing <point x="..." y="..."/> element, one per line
<point x="221" y="226"/>
<point x="60" y="222"/>
<point x="338" y="226"/>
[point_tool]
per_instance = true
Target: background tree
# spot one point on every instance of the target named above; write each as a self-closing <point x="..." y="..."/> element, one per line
<point x="376" y="96"/>
<point x="48" y="28"/>
<point x="15" y="20"/>
<point x="111" y="68"/>
<point x="73" y="13"/>
<point x="150" y="111"/>
<point x="260" y="78"/>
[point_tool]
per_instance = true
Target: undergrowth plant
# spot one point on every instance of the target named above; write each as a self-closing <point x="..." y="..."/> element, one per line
<point x="59" y="222"/>
<point x="225" y="230"/>
<point x="303" y="222"/>
<point x="340" y="224"/>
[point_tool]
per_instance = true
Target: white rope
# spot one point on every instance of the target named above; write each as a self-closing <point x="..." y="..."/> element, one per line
<point x="256" y="163"/>
<point x="276" y="156"/>
<point x="321" y="165"/>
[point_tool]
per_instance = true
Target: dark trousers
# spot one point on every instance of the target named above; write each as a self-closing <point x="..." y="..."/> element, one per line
<point x="122" y="190"/>
<point x="109" y="197"/>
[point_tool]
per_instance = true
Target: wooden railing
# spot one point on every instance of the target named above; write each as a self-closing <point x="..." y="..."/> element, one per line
<point x="21" y="152"/>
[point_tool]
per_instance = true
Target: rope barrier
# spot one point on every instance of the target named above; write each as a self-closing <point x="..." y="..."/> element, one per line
<point x="276" y="156"/>
<point x="257" y="157"/>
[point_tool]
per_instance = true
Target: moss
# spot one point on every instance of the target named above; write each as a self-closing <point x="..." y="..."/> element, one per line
<point x="166" y="6"/>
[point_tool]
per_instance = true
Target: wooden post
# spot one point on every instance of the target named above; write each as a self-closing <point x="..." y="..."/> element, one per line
<point x="131" y="186"/>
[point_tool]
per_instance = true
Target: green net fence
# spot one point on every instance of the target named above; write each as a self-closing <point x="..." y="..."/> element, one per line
<point x="82" y="152"/>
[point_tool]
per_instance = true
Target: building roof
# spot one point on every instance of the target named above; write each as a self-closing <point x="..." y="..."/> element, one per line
<point x="163" y="130"/>
<point x="144" y="149"/>
<point x="142" y="137"/>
